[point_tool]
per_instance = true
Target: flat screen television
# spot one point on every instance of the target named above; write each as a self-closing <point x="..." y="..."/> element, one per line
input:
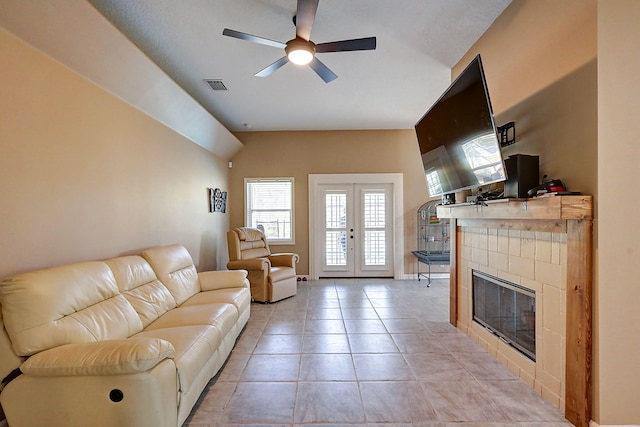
<point x="457" y="137"/>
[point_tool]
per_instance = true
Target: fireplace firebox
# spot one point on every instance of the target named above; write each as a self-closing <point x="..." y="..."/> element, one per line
<point x="507" y="310"/>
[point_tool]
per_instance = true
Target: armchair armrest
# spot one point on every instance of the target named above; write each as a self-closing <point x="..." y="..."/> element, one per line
<point x="113" y="357"/>
<point x="249" y="264"/>
<point x="210" y="280"/>
<point x="284" y="259"/>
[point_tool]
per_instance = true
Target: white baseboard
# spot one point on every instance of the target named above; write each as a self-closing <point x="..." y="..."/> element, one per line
<point x="414" y="276"/>
<point x="595" y="424"/>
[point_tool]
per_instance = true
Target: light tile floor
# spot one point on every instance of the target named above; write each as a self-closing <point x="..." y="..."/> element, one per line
<point x="365" y="352"/>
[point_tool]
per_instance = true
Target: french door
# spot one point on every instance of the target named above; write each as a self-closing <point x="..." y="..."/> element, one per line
<point x="355" y="230"/>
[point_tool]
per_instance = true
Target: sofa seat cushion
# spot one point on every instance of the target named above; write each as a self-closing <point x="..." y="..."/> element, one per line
<point x="111" y="357"/>
<point x="70" y="304"/>
<point x="281" y="273"/>
<point x="222" y="316"/>
<point x="239" y="297"/>
<point x="193" y="346"/>
<point x="140" y="286"/>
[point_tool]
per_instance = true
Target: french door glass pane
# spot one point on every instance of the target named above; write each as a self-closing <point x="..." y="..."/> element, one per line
<point x="336" y="204"/>
<point x="374" y="247"/>
<point x="374" y="210"/>
<point x="336" y="248"/>
<point x="336" y="233"/>
<point x="374" y="228"/>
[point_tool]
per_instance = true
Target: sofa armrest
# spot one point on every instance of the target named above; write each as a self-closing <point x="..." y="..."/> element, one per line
<point x="210" y="280"/>
<point x="249" y="264"/>
<point x="284" y="259"/>
<point x="113" y="357"/>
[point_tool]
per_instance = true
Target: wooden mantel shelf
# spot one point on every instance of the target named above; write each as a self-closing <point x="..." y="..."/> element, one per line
<point x="572" y="215"/>
<point x="541" y="208"/>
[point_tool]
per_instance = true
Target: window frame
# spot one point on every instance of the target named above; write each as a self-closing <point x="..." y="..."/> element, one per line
<point x="248" y="210"/>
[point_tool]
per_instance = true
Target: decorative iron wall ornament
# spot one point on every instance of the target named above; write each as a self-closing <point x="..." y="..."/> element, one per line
<point x="507" y="134"/>
<point x="217" y="200"/>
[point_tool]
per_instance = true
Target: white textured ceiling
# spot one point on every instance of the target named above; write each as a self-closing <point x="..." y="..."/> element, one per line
<point x="418" y="41"/>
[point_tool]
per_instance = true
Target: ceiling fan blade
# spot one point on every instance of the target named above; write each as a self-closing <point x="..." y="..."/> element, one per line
<point x="305" y="15"/>
<point x="367" y="43"/>
<point x="322" y="70"/>
<point x="273" y="67"/>
<point x="250" y="38"/>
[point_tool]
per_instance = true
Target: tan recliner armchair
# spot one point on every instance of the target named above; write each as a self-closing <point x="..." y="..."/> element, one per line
<point x="272" y="276"/>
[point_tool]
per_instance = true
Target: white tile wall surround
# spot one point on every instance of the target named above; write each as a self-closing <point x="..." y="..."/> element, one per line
<point x="536" y="260"/>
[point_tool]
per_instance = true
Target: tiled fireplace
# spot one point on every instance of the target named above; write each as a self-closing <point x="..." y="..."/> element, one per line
<point x="545" y="246"/>
<point x="534" y="260"/>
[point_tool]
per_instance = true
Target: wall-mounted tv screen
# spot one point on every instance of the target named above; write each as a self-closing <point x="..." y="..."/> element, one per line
<point x="457" y="137"/>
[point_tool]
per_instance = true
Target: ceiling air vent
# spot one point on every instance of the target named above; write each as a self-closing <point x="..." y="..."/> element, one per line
<point x="216" y="84"/>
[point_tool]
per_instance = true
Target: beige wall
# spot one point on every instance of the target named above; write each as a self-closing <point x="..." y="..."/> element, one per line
<point x="559" y="123"/>
<point x="617" y="320"/>
<point x="298" y="154"/>
<point x="533" y="44"/>
<point x="86" y="176"/>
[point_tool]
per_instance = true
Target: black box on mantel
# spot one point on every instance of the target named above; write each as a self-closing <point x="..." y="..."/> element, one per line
<point x="523" y="174"/>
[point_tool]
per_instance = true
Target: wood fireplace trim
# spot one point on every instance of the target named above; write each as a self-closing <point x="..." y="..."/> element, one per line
<point x="572" y="215"/>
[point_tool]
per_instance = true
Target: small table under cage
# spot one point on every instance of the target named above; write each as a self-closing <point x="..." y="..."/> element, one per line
<point x="433" y="239"/>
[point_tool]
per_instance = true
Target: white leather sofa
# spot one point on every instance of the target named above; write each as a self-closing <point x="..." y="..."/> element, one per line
<point x="131" y="341"/>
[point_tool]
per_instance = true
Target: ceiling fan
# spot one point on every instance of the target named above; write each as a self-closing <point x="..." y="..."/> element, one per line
<point x="301" y="50"/>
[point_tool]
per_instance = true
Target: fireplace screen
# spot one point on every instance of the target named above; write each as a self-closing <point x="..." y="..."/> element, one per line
<point x="507" y="310"/>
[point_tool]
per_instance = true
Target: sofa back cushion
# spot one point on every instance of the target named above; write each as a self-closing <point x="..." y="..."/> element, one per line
<point x="140" y="286"/>
<point x="174" y="267"/>
<point x="8" y="359"/>
<point x="69" y="304"/>
<point x="251" y="243"/>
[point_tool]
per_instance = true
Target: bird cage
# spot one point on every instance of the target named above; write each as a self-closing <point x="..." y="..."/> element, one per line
<point x="433" y="238"/>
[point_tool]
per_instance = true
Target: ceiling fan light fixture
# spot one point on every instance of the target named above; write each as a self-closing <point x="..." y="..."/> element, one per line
<point x="300" y="51"/>
<point x="300" y="56"/>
